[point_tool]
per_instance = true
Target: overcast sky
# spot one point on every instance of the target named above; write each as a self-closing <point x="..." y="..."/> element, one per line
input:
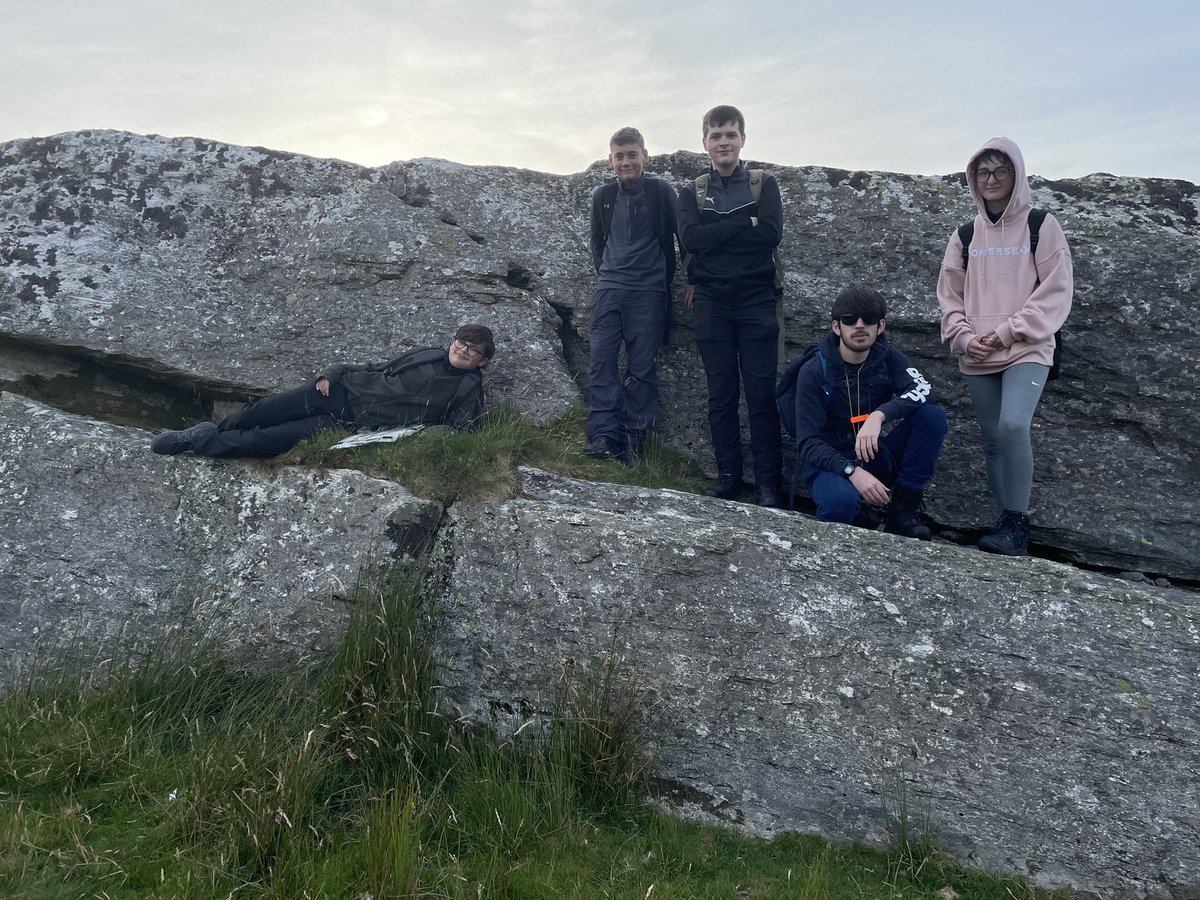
<point x="541" y="84"/>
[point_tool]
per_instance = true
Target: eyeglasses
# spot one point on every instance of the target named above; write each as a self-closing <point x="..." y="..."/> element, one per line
<point x="851" y="319"/>
<point x="470" y="351"/>
<point x="1000" y="173"/>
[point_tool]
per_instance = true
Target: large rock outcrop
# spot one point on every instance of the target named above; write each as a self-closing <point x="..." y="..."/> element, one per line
<point x="106" y="548"/>
<point x="221" y="270"/>
<point x="803" y="676"/>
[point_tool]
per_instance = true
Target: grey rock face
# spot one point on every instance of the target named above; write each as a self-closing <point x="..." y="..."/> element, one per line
<point x="240" y="270"/>
<point x="235" y="270"/>
<point x="813" y="677"/>
<point x="104" y="546"/>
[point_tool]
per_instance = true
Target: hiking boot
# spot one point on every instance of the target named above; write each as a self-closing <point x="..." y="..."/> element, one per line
<point x="601" y="447"/>
<point x="726" y="487"/>
<point x="171" y="442"/>
<point x="766" y="495"/>
<point x="903" y="514"/>
<point x="868" y="517"/>
<point x="1011" y="537"/>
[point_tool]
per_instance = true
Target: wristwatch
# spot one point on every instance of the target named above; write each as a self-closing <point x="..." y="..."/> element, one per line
<point x="848" y="469"/>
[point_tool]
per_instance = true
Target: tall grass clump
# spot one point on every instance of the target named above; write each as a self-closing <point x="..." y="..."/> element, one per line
<point x="482" y="464"/>
<point x="183" y="775"/>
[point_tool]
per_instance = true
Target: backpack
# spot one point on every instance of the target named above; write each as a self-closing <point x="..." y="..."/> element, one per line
<point x="756" y="178"/>
<point x="785" y="390"/>
<point x="966" y="232"/>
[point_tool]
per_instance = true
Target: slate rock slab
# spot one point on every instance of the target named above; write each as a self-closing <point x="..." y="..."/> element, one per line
<point x="812" y="677"/>
<point x="106" y="548"/>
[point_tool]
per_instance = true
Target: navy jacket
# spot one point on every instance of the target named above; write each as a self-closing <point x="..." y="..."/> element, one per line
<point x="886" y="381"/>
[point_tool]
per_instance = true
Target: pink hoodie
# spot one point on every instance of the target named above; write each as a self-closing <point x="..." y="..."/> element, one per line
<point x="1002" y="289"/>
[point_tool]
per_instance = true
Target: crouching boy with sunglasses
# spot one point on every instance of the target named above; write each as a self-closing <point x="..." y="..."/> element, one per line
<point x="428" y="386"/>
<point x="846" y="389"/>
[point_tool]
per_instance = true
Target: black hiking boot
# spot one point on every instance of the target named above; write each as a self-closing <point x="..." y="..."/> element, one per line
<point x="726" y="487"/>
<point x="766" y="495"/>
<point x="903" y="514"/>
<point x="868" y="517"/>
<point x="601" y="447"/>
<point x="1011" y="537"/>
<point x="171" y="442"/>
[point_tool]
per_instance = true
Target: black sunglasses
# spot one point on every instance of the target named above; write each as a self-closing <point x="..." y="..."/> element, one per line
<point x="850" y="320"/>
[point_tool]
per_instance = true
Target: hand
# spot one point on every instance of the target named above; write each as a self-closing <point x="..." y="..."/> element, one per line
<point x="977" y="350"/>
<point x="869" y="487"/>
<point x="322" y="387"/>
<point x="689" y="293"/>
<point x="867" y="443"/>
<point x="991" y="339"/>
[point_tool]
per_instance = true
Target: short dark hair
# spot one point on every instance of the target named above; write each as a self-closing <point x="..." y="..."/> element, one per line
<point x="480" y="336"/>
<point x="991" y="155"/>
<point x="719" y="115"/>
<point x="627" y="135"/>
<point x="859" y="300"/>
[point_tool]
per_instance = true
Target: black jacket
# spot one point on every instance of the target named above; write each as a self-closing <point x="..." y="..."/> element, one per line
<point x="417" y="387"/>
<point x="731" y="256"/>
<point x="660" y="203"/>
<point x="886" y="381"/>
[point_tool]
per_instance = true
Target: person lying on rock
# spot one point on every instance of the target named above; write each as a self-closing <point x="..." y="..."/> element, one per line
<point x="846" y="389"/>
<point x="428" y="386"/>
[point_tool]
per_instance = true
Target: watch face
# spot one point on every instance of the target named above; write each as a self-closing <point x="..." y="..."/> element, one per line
<point x="849" y="470"/>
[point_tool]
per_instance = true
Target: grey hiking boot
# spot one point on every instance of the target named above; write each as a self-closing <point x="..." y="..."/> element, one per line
<point x="171" y="442"/>
<point x="1011" y="537"/>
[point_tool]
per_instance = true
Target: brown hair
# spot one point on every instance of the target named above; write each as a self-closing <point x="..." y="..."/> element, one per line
<point x="719" y="115"/>
<point x="480" y="336"/>
<point x="627" y="135"/>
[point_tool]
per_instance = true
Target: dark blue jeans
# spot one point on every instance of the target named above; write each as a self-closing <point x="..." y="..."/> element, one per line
<point x="276" y="424"/>
<point x="907" y="455"/>
<point x="625" y="407"/>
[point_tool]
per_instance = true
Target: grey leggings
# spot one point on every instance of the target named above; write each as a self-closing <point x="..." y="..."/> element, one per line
<point x="1004" y="403"/>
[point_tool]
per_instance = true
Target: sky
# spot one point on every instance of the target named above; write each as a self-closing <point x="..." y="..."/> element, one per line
<point x="912" y="87"/>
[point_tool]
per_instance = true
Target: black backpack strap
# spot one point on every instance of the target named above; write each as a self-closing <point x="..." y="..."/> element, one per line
<point x="1036" y="218"/>
<point x="608" y="196"/>
<point x="966" y="233"/>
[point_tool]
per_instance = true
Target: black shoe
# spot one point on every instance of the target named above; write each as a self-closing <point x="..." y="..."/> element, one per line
<point x="171" y="442"/>
<point x="766" y="495"/>
<point x="726" y="487"/>
<point x="868" y="517"/>
<point x="1011" y="537"/>
<point x="602" y="447"/>
<point x="903" y="514"/>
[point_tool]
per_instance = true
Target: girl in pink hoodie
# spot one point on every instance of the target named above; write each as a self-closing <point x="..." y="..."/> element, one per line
<point x="999" y="317"/>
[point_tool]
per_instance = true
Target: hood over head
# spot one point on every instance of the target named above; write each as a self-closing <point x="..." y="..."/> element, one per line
<point x="1021" y="200"/>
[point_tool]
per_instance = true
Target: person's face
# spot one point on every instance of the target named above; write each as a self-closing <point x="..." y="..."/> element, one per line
<point x="858" y="336"/>
<point x="466" y="356"/>
<point x="627" y="161"/>
<point x="994" y="178"/>
<point x="724" y="145"/>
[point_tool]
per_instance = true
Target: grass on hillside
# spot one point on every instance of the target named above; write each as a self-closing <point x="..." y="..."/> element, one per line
<point x="482" y="465"/>
<point x="188" y="778"/>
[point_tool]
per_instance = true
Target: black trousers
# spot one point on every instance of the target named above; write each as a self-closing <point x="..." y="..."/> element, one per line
<point x="738" y="340"/>
<point x="276" y="424"/>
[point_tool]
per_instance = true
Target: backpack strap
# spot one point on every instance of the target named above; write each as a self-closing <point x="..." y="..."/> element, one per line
<point x="966" y="233"/>
<point x="608" y="196"/>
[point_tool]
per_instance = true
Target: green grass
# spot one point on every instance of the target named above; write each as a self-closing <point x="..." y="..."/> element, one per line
<point x="482" y="465"/>
<point x="183" y="777"/>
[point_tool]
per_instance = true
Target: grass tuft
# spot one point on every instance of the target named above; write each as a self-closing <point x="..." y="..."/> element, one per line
<point x="482" y="465"/>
